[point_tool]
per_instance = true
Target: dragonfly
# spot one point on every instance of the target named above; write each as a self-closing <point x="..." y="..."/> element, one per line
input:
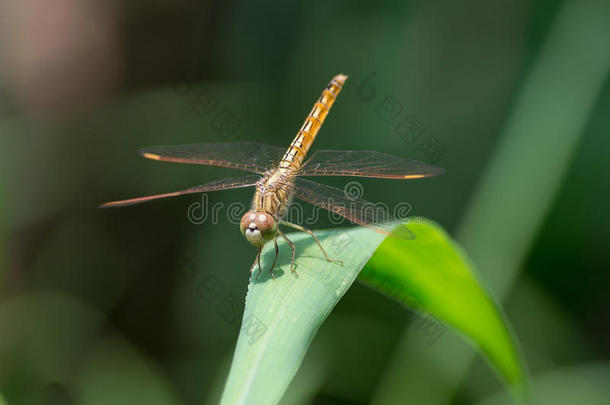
<point x="277" y="175"/>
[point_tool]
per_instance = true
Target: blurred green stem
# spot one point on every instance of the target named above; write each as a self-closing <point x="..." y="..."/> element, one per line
<point x="4" y="260"/>
<point x="518" y="188"/>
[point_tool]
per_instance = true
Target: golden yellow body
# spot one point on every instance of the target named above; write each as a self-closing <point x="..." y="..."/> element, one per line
<point x="276" y="187"/>
<point x="273" y="193"/>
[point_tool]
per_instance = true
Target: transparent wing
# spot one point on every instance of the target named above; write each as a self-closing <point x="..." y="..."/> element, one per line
<point x="249" y="156"/>
<point x="356" y="210"/>
<point x="224" y="184"/>
<point x="365" y="163"/>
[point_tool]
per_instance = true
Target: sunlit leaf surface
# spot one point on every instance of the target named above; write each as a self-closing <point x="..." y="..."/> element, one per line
<point x="283" y="315"/>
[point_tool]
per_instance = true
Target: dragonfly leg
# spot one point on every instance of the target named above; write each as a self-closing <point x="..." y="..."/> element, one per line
<point x="277" y="252"/>
<point x="294" y="249"/>
<point x="309" y="232"/>
<point x="257" y="259"/>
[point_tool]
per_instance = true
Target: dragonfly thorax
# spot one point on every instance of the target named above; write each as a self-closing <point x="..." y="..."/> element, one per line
<point x="273" y="193"/>
<point x="258" y="227"/>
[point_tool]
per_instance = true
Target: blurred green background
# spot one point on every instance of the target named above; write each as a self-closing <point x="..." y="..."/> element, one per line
<point x="140" y="305"/>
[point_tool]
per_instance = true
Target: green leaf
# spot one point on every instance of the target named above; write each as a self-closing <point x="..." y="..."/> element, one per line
<point x="283" y="315"/>
<point x="434" y="276"/>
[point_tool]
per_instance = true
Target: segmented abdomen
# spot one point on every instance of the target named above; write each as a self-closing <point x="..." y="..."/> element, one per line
<point x="294" y="156"/>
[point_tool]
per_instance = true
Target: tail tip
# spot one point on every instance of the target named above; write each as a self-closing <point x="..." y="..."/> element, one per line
<point x="341" y="78"/>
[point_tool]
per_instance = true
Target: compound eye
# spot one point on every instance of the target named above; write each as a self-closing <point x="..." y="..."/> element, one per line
<point x="258" y="227"/>
<point x="264" y="222"/>
<point x="247" y="220"/>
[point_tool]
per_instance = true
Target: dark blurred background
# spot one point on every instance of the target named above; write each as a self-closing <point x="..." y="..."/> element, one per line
<point x="115" y="306"/>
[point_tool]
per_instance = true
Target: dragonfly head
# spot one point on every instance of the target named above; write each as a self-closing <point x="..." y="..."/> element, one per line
<point x="258" y="227"/>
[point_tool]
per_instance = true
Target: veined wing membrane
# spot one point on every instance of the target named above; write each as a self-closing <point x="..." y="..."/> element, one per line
<point x="364" y="163"/>
<point x="356" y="210"/>
<point x="249" y="156"/>
<point x="224" y="184"/>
